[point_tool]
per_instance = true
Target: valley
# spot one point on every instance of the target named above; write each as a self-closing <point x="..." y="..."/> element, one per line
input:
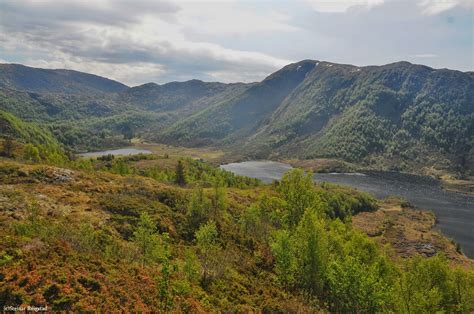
<point x="117" y="198"/>
<point x="397" y="117"/>
<point x="167" y="156"/>
<point x="73" y="236"/>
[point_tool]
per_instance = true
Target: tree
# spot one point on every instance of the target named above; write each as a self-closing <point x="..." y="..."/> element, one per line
<point x="285" y="258"/>
<point x="198" y="210"/>
<point x="312" y="252"/>
<point x="127" y="131"/>
<point x="191" y="266"/>
<point x="357" y="287"/>
<point x="427" y="285"/>
<point x="120" y="167"/>
<point x="8" y="147"/>
<point x="146" y="238"/>
<point x="180" y="174"/>
<point x="209" y="252"/>
<point x="165" y="288"/>
<point x="31" y="153"/>
<point x="218" y="200"/>
<point x="297" y="190"/>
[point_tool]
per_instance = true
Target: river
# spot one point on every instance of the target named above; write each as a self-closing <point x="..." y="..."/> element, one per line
<point x="454" y="211"/>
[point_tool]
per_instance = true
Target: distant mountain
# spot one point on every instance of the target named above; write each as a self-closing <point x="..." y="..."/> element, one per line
<point x="186" y="96"/>
<point x="240" y="116"/>
<point x="390" y="115"/>
<point x="398" y="116"/>
<point x="20" y="77"/>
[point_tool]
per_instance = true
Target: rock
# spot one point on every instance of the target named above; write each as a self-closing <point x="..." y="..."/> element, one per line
<point x="61" y="175"/>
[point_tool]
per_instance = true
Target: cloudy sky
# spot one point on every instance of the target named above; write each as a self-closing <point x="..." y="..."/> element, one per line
<point x="141" y="41"/>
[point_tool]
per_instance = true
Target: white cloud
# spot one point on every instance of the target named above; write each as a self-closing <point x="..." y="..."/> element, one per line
<point x="432" y="7"/>
<point x="146" y="44"/>
<point x="231" y="18"/>
<point x="338" y="6"/>
<point x="138" y="41"/>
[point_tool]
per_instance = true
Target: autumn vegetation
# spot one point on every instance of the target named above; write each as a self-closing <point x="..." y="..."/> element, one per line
<point x="165" y="234"/>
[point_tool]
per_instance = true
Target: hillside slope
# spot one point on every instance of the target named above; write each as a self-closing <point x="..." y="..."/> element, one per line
<point x="20" y="77"/>
<point x="121" y="235"/>
<point x="382" y="115"/>
<point x="11" y="126"/>
<point x="398" y="116"/>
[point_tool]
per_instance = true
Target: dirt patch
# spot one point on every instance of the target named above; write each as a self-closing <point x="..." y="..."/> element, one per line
<point x="409" y="231"/>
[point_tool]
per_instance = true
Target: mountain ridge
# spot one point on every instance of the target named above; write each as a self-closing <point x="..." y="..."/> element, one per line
<point x="20" y="77"/>
<point x="374" y="115"/>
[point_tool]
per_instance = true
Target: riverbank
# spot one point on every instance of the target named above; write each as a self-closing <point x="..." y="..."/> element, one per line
<point x="409" y="231"/>
<point x="449" y="182"/>
<point x="456" y="185"/>
<point x="455" y="211"/>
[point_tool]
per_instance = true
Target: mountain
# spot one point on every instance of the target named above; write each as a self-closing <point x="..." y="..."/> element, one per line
<point x="399" y="116"/>
<point x="241" y="115"/>
<point x="388" y="115"/>
<point x="20" y="77"/>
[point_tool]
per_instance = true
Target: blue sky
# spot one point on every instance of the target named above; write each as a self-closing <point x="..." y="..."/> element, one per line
<point x="159" y="41"/>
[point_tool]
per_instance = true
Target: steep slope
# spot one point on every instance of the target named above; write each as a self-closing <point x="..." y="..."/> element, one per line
<point x="388" y="116"/>
<point x="241" y="115"/>
<point x="20" y="77"/>
<point x="26" y="132"/>
<point x="398" y="116"/>
<point x="401" y="113"/>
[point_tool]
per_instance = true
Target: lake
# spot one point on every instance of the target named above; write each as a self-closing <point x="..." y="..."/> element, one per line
<point x="116" y="152"/>
<point x="454" y="211"/>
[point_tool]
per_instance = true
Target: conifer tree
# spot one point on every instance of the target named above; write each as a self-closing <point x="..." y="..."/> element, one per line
<point x="180" y="174"/>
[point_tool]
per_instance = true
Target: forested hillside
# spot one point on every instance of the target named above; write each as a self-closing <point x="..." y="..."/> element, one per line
<point x="399" y="116"/>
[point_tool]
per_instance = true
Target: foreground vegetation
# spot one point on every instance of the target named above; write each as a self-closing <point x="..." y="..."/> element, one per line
<point x="161" y="233"/>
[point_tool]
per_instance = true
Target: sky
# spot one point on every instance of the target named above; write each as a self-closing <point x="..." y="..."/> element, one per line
<point x="141" y="41"/>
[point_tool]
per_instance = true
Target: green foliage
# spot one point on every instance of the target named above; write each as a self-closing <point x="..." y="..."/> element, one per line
<point x="191" y="266"/>
<point x="285" y="257"/>
<point x="198" y="210"/>
<point x="311" y="247"/>
<point x="120" y="167"/>
<point x="254" y="223"/>
<point x="343" y="203"/>
<point x="180" y="178"/>
<point x="429" y="285"/>
<point x="146" y="238"/>
<point x="31" y="153"/>
<point x="209" y="252"/>
<point x="26" y="132"/>
<point x="218" y="197"/>
<point x="165" y="288"/>
<point x="357" y="287"/>
<point x="8" y="147"/>
<point x="297" y="190"/>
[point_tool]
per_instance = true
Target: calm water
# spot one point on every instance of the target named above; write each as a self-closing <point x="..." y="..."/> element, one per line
<point x="116" y="152"/>
<point x="455" y="211"/>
